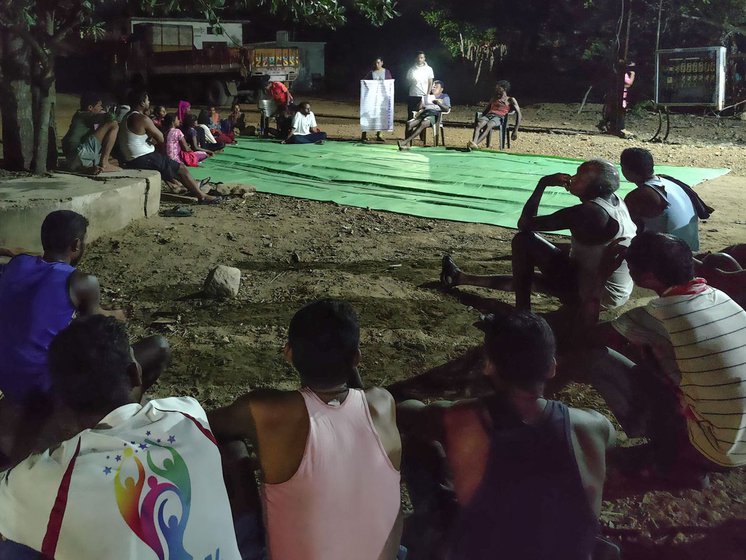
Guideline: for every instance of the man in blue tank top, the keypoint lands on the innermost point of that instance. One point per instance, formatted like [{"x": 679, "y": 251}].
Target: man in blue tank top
[
  {"x": 658, "y": 204},
  {"x": 527, "y": 472},
  {"x": 39, "y": 296}
]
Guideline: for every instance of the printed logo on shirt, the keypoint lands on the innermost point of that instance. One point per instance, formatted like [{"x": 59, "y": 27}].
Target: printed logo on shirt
[{"x": 154, "y": 495}]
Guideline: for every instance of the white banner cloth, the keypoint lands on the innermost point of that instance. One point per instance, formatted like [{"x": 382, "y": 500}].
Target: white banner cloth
[{"x": 377, "y": 105}]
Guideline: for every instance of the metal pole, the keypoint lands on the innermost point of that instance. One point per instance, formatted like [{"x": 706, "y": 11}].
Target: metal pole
[
  {"x": 626, "y": 41},
  {"x": 658, "y": 33}
]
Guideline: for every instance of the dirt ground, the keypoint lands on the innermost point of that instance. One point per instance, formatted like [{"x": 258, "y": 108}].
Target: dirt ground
[{"x": 293, "y": 251}]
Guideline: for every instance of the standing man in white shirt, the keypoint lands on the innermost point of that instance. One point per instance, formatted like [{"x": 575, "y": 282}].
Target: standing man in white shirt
[
  {"x": 304, "y": 129},
  {"x": 420, "y": 79}
]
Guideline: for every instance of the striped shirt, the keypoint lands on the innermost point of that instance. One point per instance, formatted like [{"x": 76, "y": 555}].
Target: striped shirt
[{"x": 699, "y": 340}]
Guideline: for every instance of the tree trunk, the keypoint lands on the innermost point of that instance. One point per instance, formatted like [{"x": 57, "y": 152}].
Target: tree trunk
[
  {"x": 16, "y": 103},
  {"x": 46, "y": 93},
  {"x": 42, "y": 129},
  {"x": 52, "y": 152}
]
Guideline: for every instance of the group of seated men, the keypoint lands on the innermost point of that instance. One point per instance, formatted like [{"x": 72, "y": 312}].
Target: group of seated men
[
  {"x": 96, "y": 471},
  {"x": 673, "y": 370},
  {"x": 94, "y": 133}
]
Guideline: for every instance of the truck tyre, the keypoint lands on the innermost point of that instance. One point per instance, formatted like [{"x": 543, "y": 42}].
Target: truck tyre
[{"x": 216, "y": 93}]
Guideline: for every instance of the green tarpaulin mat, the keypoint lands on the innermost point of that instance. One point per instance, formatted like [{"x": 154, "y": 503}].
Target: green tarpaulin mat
[{"x": 481, "y": 186}]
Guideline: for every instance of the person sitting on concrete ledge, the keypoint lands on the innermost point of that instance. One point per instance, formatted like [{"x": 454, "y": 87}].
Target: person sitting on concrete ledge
[
  {"x": 430, "y": 107},
  {"x": 137, "y": 136},
  {"x": 497, "y": 108},
  {"x": 129, "y": 480},
  {"x": 88, "y": 143},
  {"x": 39, "y": 296},
  {"x": 568, "y": 273},
  {"x": 304, "y": 129},
  {"x": 522, "y": 476}
]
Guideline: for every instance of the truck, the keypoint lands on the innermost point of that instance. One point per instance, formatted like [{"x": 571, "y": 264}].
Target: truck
[{"x": 198, "y": 60}]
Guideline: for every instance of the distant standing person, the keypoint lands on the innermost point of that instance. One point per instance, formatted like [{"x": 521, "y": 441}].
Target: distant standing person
[
  {"x": 281, "y": 95},
  {"x": 629, "y": 80},
  {"x": 420, "y": 78},
  {"x": 615, "y": 107},
  {"x": 378, "y": 72}
]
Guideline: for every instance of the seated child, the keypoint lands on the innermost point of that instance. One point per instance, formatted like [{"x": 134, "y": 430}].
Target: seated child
[
  {"x": 189, "y": 127},
  {"x": 158, "y": 113},
  {"x": 210, "y": 135},
  {"x": 176, "y": 145},
  {"x": 235, "y": 122},
  {"x": 217, "y": 132}
]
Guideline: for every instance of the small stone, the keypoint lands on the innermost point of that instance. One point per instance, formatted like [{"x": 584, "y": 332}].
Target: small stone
[
  {"x": 231, "y": 236},
  {"x": 222, "y": 282}
]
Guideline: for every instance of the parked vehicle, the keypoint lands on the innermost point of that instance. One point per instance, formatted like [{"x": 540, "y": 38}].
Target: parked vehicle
[{"x": 204, "y": 62}]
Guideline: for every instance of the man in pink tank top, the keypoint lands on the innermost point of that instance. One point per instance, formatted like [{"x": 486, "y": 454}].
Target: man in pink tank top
[{"x": 329, "y": 454}]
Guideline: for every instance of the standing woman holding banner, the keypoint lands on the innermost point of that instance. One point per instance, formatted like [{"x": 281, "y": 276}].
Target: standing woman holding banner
[{"x": 378, "y": 72}]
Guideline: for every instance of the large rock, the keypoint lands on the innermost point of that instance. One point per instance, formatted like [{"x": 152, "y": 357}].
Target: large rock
[{"x": 222, "y": 282}]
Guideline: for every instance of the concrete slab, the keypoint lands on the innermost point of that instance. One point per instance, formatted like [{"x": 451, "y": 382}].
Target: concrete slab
[{"x": 110, "y": 202}]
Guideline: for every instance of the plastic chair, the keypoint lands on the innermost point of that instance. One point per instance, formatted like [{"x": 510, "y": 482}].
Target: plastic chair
[
  {"x": 504, "y": 129},
  {"x": 437, "y": 128}
]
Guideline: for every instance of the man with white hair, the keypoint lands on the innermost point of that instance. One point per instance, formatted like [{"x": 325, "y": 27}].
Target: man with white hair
[{"x": 568, "y": 272}]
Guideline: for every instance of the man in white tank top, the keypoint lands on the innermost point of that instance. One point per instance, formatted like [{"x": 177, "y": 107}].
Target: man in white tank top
[
  {"x": 137, "y": 137},
  {"x": 329, "y": 454},
  {"x": 568, "y": 272}
]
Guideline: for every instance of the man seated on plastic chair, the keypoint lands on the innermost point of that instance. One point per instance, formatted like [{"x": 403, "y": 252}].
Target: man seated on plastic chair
[
  {"x": 494, "y": 116},
  {"x": 431, "y": 107}
]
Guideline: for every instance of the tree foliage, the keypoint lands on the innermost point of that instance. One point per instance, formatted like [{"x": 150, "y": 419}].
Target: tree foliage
[
  {"x": 324, "y": 13},
  {"x": 477, "y": 44},
  {"x": 579, "y": 37},
  {"x": 43, "y": 26},
  {"x": 328, "y": 13}
]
